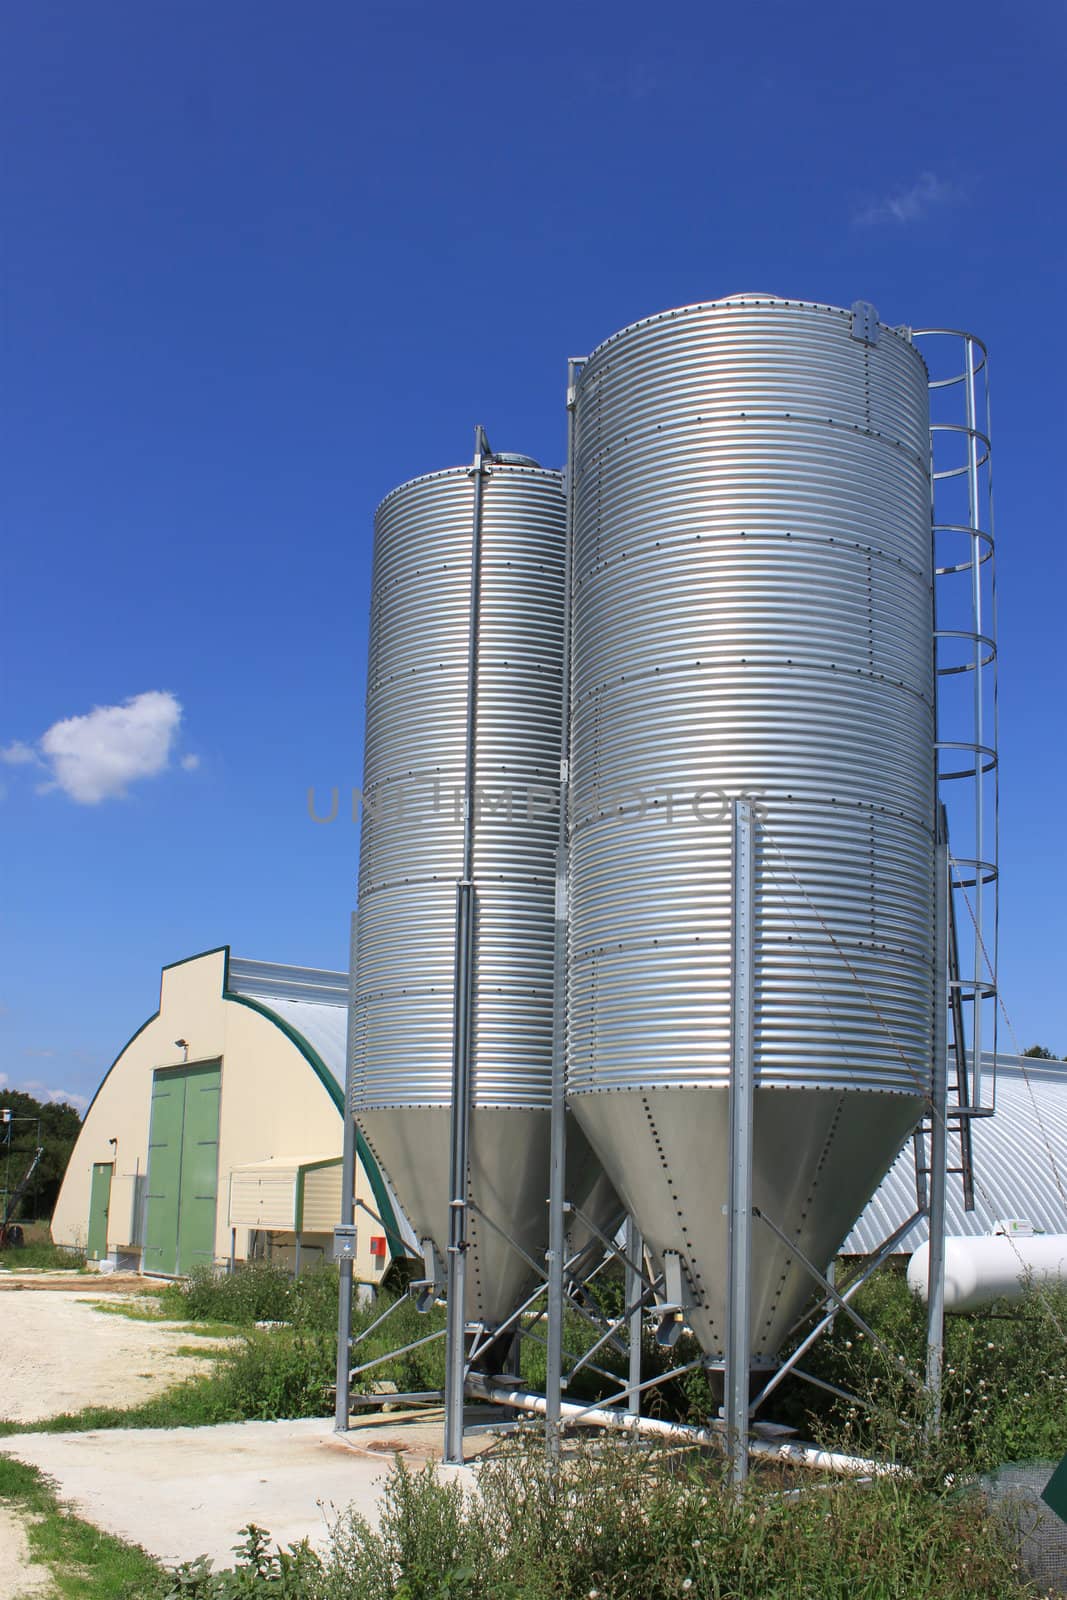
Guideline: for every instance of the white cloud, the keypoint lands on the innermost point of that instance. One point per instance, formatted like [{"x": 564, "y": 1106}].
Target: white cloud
[
  {"x": 79, "y": 1101},
  {"x": 41, "y": 1092},
  {"x": 18, "y": 754},
  {"x": 190, "y": 763},
  {"x": 910, "y": 204},
  {"x": 96, "y": 757}
]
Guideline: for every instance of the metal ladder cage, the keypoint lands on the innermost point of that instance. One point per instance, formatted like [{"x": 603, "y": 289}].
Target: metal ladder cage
[{"x": 965, "y": 654}]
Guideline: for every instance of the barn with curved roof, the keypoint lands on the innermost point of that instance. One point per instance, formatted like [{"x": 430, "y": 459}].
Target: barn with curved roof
[{"x": 216, "y": 1133}]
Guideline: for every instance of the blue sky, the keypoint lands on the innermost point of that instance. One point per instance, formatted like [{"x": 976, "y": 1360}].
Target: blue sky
[{"x": 262, "y": 262}]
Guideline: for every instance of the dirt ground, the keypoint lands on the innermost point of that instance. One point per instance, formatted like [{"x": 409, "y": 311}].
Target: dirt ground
[
  {"x": 178, "y": 1492},
  {"x": 20, "y": 1577},
  {"x": 61, "y": 1354}
]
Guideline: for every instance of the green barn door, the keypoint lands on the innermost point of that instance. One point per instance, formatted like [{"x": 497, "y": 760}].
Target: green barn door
[
  {"x": 99, "y": 1202},
  {"x": 183, "y": 1146},
  {"x": 200, "y": 1168}
]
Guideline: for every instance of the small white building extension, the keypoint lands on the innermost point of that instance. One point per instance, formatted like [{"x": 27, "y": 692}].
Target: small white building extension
[{"x": 216, "y": 1133}]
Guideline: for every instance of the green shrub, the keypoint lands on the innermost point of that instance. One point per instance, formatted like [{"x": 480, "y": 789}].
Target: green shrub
[
  {"x": 284, "y": 1574},
  {"x": 256, "y": 1292}
]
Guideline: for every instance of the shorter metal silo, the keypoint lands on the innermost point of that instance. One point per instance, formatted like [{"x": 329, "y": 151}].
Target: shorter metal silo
[{"x": 453, "y": 995}]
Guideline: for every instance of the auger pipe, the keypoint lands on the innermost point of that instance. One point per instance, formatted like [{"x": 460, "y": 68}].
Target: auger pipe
[{"x": 792, "y": 1455}]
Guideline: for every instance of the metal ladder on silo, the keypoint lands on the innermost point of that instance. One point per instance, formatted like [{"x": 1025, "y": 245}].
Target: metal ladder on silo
[
  {"x": 959, "y": 1113},
  {"x": 968, "y": 761}
]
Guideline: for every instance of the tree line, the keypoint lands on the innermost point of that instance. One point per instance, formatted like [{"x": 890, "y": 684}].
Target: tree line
[{"x": 60, "y": 1125}]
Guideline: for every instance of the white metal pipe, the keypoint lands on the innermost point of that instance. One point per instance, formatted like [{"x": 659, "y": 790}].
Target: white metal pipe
[{"x": 796, "y": 1455}]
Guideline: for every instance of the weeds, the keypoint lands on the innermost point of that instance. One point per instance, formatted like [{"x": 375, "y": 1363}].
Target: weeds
[
  {"x": 1004, "y": 1385},
  {"x": 621, "y": 1523}
]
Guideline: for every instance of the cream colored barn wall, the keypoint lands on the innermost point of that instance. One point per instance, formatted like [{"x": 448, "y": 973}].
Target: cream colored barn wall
[
  {"x": 191, "y": 1008},
  {"x": 272, "y": 1103}
]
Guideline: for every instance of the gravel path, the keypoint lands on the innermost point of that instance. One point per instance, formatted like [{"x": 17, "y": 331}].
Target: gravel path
[
  {"x": 20, "y": 1577},
  {"x": 60, "y": 1354}
]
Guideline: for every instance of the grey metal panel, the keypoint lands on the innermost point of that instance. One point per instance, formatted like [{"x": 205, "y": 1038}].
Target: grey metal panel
[
  {"x": 752, "y": 614},
  {"x": 1020, "y": 1164},
  {"x": 415, "y": 743}
]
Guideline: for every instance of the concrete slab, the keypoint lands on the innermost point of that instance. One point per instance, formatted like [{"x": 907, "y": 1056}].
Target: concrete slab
[{"x": 185, "y": 1492}]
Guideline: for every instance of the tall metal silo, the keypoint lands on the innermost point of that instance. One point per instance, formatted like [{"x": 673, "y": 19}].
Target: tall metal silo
[
  {"x": 460, "y": 788},
  {"x": 751, "y": 616}
]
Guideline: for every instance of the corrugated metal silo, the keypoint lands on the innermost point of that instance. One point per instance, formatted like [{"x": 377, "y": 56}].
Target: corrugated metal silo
[
  {"x": 422, "y": 683},
  {"x": 752, "y": 615}
]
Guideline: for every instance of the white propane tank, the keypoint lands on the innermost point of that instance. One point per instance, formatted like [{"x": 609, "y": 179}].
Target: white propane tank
[{"x": 978, "y": 1271}]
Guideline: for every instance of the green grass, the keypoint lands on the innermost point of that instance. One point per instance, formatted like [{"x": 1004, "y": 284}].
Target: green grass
[
  {"x": 85, "y": 1564},
  {"x": 41, "y": 1255},
  {"x": 153, "y": 1312}
]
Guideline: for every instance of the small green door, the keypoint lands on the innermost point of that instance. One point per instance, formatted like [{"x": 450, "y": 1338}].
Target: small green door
[
  {"x": 183, "y": 1150},
  {"x": 99, "y": 1202}
]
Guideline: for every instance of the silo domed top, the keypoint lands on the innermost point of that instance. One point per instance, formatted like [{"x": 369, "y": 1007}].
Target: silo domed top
[
  {"x": 497, "y": 458},
  {"x": 724, "y": 304}
]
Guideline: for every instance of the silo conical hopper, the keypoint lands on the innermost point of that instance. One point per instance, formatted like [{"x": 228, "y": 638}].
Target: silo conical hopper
[
  {"x": 422, "y": 702},
  {"x": 752, "y": 615}
]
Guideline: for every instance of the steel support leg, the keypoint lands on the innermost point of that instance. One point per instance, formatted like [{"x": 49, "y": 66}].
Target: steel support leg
[
  {"x": 348, "y": 1215},
  {"x": 462, "y": 1035},
  {"x": 456, "y": 1318},
  {"x": 558, "y": 1136},
  {"x": 935, "y": 1314},
  {"x": 742, "y": 1099}
]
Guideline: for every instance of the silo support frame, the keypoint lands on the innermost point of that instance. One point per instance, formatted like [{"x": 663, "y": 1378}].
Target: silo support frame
[
  {"x": 635, "y": 1253},
  {"x": 882, "y": 1254},
  {"x": 838, "y": 1300}
]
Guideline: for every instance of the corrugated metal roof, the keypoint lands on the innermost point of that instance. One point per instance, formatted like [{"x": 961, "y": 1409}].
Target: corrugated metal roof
[
  {"x": 270, "y": 980},
  {"x": 1020, "y": 1164},
  {"x": 310, "y": 999}
]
